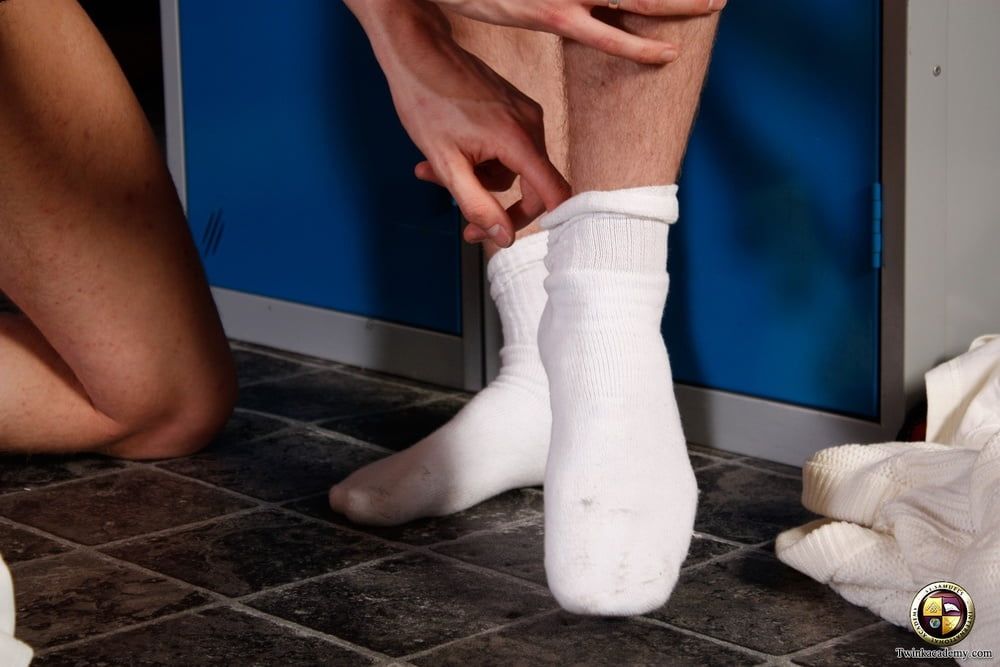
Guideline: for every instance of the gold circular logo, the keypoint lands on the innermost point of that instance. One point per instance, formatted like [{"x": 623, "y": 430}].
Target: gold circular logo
[{"x": 942, "y": 613}]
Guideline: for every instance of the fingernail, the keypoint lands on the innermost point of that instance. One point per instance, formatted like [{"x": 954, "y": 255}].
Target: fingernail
[
  {"x": 716, "y": 5},
  {"x": 499, "y": 235},
  {"x": 476, "y": 234},
  {"x": 668, "y": 55}
]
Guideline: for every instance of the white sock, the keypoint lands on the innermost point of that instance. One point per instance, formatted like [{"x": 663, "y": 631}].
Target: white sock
[
  {"x": 497, "y": 442},
  {"x": 620, "y": 494}
]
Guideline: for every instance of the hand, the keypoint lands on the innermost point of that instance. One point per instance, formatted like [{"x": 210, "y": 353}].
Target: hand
[
  {"x": 476, "y": 130},
  {"x": 572, "y": 19}
]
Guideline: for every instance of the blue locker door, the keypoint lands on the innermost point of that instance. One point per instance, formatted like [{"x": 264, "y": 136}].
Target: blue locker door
[
  {"x": 773, "y": 289},
  {"x": 299, "y": 177}
]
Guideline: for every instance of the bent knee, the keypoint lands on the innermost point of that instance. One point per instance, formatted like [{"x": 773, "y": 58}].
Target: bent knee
[{"x": 183, "y": 424}]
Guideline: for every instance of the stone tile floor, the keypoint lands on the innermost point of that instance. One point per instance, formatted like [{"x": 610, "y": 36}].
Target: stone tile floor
[{"x": 232, "y": 557}]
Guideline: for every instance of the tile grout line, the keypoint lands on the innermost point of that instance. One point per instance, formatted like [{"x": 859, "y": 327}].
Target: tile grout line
[
  {"x": 726, "y": 540},
  {"x": 329, "y": 434},
  {"x": 714, "y": 640},
  {"x": 482, "y": 633},
  {"x": 481, "y": 569},
  {"x": 260, "y": 505},
  {"x": 282, "y": 506},
  {"x": 401, "y": 383},
  {"x": 709, "y": 466},
  {"x": 742, "y": 463},
  {"x": 128, "y": 628},
  {"x": 833, "y": 640},
  {"x": 281, "y": 588},
  {"x": 402, "y": 547},
  {"x": 421, "y": 403},
  {"x": 715, "y": 560},
  {"x": 288, "y": 421},
  {"x": 316, "y": 634},
  {"x": 513, "y": 524},
  {"x": 219, "y": 599},
  {"x": 280, "y": 377},
  {"x": 128, "y": 465},
  {"x": 173, "y": 530}
]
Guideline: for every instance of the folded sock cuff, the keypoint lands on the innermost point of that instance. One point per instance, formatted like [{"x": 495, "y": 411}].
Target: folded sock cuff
[
  {"x": 525, "y": 252},
  {"x": 657, "y": 203}
]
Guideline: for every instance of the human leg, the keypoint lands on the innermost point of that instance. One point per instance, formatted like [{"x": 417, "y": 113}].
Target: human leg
[
  {"x": 498, "y": 441},
  {"x": 620, "y": 494},
  {"x": 533, "y": 63},
  {"x": 120, "y": 349}
]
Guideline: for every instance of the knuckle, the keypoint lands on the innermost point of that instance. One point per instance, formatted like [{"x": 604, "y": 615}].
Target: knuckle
[
  {"x": 553, "y": 16},
  {"x": 477, "y": 214},
  {"x": 608, "y": 44},
  {"x": 531, "y": 114}
]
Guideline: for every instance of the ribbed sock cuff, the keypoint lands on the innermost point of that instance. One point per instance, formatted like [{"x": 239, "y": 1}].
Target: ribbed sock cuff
[
  {"x": 508, "y": 262},
  {"x": 657, "y": 203},
  {"x": 622, "y": 231}
]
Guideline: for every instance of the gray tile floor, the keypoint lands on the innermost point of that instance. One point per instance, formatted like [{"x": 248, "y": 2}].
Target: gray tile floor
[{"x": 232, "y": 557}]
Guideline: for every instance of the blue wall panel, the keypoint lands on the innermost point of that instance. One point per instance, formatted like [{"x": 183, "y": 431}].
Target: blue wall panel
[
  {"x": 300, "y": 187},
  {"x": 300, "y": 183},
  {"x": 773, "y": 293}
]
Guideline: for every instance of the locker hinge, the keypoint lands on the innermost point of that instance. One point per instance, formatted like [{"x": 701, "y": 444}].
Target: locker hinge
[{"x": 877, "y": 226}]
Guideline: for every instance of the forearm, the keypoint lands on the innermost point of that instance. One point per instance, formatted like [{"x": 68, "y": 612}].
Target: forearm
[{"x": 395, "y": 29}]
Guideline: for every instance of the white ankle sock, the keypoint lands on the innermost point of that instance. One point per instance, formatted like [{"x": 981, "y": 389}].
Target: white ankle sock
[
  {"x": 620, "y": 494},
  {"x": 499, "y": 441}
]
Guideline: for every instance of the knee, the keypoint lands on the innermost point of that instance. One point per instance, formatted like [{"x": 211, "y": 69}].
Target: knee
[{"x": 183, "y": 422}]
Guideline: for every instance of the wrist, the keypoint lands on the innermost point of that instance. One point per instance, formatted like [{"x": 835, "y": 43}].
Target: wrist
[
  {"x": 368, "y": 10},
  {"x": 383, "y": 17},
  {"x": 399, "y": 29}
]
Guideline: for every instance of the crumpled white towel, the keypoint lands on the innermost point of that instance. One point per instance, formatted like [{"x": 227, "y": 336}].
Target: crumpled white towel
[
  {"x": 12, "y": 652},
  {"x": 902, "y": 514}
]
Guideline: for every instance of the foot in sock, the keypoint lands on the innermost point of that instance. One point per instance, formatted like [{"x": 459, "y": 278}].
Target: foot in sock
[
  {"x": 620, "y": 494},
  {"x": 498, "y": 442}
]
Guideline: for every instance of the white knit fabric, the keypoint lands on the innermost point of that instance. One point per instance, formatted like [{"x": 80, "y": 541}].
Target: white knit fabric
[
  {"x": 620, "y": 494},
  {"x": 12, "y": 652},
  {"x": 499, "y": 441},
  {"x": 903, "y": 515}
]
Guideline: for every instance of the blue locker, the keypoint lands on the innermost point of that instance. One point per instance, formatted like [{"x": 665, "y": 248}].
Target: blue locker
[
  {"x": 773, "y": 290},
  {"x": 300, "y": 179},
  {"x": 300, "y": 188}
]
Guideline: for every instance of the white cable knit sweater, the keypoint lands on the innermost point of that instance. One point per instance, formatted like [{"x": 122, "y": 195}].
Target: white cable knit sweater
[{"x": 904, "y": 514}]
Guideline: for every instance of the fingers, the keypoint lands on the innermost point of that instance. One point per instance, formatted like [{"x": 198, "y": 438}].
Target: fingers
[
  {"x": 542, "y": 188},
  {"x": 527, "y": 209},
  {"x": 667, "y": 7},
  {"x": 614, "y": 41},
  {"x": 528, "y": 158},
  {"x": 521, "y": 214},
  {"x": 425, "y": 172},
  {"x": 494, "y": 176},
  {"x": 478, "y": 206},
  {"x": 597, "y": 34}
]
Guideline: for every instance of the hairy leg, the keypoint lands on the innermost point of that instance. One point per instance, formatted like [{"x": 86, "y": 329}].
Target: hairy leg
[
  {"x": 120, "y": 349},
  {"x": 630, "y": 123},
  {"x": 620, "y": 494},
  {"x": 533, "y": 62},
  {"x": 500, "y": 440}
]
